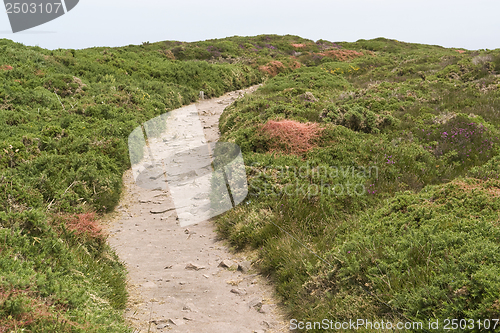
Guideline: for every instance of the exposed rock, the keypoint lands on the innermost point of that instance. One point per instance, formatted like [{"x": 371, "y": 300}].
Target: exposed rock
[
  {"x": 165, "y": 322},
  {"x": 194, "y": 267},
  {"x": 224, "y": 264},
  {"x": 244, "y": 266},
  {"x": 149, "y": 284},
  {"x": 171, "y": 322},
  {"x": 308, "y": 96},
  {"x": 239, "y": 292},
  {"x": 227, "y": 264},
  {"x": 256, "y": 303},
  {"x": 269, "y": 324}
]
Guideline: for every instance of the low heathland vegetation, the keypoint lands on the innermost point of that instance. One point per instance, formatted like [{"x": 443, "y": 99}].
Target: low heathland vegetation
[
  {"x": 66, "y": 116},
  {"x": 372, "y": 168},
  {"x": 374, "y": 189}
]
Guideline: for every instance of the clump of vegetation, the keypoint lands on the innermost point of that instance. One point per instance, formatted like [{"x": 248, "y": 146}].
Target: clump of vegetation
[
  {"x": 55, "y": 279},
  {"x": 358, "y": 118},
  {"x": 431, "y": 254}
]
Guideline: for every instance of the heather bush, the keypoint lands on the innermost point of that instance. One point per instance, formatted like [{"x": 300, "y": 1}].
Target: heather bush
[{"x": 358, "y": 118}]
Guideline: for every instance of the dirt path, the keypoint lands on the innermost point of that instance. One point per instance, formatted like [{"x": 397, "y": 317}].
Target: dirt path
[{"x": 178, "y": 279}]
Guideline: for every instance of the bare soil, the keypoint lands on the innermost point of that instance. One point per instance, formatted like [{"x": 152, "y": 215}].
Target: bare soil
[{"x": 186, "y": 279}]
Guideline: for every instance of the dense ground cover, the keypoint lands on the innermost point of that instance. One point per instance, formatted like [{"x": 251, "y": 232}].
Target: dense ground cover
[
  {"x": 65, "y": 119},
  {"x": 374, "y": 183}
]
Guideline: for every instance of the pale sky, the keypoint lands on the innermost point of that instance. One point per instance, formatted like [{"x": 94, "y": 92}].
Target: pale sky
[{"x": 458, "y": 23}]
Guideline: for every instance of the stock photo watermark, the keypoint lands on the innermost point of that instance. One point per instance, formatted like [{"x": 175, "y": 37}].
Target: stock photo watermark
[
  {"x": 170, "y": 153},
  {"x": 331, "y": 180},
  {"x": 28, "y": 14},
  {"x": 447, "y": 324}
]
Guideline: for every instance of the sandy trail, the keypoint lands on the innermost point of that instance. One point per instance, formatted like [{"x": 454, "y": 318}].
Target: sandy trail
[{"x": 176, "y": 280}]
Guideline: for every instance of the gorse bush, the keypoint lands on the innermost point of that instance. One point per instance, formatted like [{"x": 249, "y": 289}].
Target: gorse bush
[
  {"x": 429, "y": 255},
  {"x": 357, "y": 118},
  {"x": 306, "y": 78},
  {"x": 54, "y": 280}
]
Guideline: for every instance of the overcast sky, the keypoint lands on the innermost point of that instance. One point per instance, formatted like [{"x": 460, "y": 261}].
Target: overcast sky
[{"x": 458, "y": 23}]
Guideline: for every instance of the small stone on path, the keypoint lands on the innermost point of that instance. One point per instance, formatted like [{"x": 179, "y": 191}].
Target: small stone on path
[
  {"x": 244, "y": 266},
  {"x": 194, "y": 267},
  {"x": 239, "y": 292}
]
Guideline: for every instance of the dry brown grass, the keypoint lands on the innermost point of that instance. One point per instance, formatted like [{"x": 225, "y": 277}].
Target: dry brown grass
[
  {"x": 85, "y": 224},
  {"x": 342, "y": 55},
  {"x": 292, "y": 137}
]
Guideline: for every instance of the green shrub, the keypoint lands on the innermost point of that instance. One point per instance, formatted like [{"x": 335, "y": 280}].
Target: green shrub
[{"x": 358, "y": 118}]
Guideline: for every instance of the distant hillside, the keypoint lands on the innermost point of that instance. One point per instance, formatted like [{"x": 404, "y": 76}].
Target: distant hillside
[
  {"x": 373, "y": 172},
  {"x": 408, "y": 132}
]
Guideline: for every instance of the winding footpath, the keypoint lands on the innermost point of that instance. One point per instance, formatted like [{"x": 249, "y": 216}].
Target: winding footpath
[{"x": 185, "y": 279}]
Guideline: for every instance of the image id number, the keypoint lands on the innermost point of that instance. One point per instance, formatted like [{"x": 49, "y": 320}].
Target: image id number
[{"x": 24, "y": 7}]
